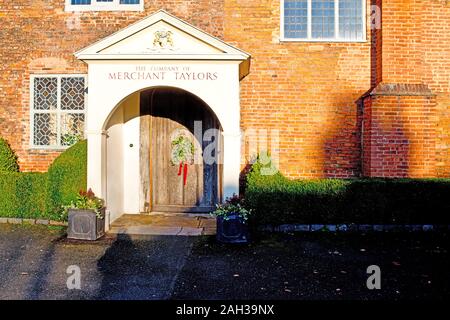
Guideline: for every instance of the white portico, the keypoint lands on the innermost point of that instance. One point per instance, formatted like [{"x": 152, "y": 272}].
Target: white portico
[{"x": 171, "y": 62}]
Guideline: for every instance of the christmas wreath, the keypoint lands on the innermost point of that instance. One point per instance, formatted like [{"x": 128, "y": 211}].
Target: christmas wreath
[{"x": 182, "y": 154}]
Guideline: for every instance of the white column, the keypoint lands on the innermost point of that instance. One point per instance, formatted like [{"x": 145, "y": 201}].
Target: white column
[
  {"x": 231, "y": 163},
  {"x": 96, "y": 169}
]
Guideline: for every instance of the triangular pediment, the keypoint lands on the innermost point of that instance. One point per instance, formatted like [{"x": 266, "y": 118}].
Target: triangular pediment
[{"x": 161, "y": 36}]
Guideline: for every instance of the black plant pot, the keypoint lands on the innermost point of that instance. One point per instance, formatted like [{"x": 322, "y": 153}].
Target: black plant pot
[
  {"x": 232, "y": 230},
  {"x": 85, "y": 225}
]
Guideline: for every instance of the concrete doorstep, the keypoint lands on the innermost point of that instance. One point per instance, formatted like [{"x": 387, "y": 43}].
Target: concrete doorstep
[
  {"x": 164, "y": 224},
  {"x": 157, "y": 230}
]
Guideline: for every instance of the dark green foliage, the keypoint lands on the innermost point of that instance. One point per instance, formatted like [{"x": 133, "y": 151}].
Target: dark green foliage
[
  {"x": 8, "y": 159},
  {"x": 278, "y": 200},
  {"x": 41, "y": 195},
  {"x": 66, "y": 177},
  {"x": 23, "y": 195}
]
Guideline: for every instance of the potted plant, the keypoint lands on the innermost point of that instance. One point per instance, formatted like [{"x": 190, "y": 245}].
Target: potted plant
[
  {"x": 232, "y": 221},
  {"x": 86, "y": 217}
]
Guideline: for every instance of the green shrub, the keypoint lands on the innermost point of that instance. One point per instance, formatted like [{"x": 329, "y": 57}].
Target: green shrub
[
  {"x": 278, "y": 200},
  {"x": 23, "y": 195},
  {"x": 66, "y": 176},
  {"x": 41, "y": 195},
  {"x": 8, "y": 159},
  {"x": 398, "y": 201}
]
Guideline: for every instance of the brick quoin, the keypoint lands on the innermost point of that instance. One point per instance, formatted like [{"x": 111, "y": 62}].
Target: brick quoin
[{"x": 342, "y": 109}]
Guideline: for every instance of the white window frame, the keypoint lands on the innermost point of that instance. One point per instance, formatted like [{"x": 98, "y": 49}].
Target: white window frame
[
  {"x": 58, "y": 110},
  {"x": 104, "y": 6},
  {"x": 336, "y": 25}
]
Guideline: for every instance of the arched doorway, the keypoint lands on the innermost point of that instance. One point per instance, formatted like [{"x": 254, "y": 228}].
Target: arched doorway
[
  {"x": 183, "y": 150},
  {"x": 144, "y": 169}
]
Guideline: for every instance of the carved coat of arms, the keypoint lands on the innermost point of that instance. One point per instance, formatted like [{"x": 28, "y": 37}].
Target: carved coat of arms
[{"x": 163, "y": 39}]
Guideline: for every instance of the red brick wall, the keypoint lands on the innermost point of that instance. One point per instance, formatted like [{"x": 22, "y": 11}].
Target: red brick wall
[
  {"x": 414, "y": 51},
  {"x": 367, "y": 134},
  {"x": 376, "y": 43},
  {"x": 306, "y": 90},
  {"x": 443, "y": 135},
  {"x": 400, "y": 133},
  {"x": 402, "y": 41},
  {"x": 39, "y": 37},
  {"x": 436, "y": 47}
]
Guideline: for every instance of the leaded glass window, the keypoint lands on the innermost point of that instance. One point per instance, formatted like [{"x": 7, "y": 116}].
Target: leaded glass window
[
  {"x": 323, "y": 20},
  {"x": 57, "y": 110},
  {"x": 104, "y": 5}
]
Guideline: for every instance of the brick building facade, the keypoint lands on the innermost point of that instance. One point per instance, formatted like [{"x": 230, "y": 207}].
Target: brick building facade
[{"x": 375, "y": 107}]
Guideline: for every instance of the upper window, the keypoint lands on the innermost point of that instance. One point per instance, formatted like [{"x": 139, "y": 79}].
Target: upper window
[
  {"x": 323, "y": 20},
  {"x": 104, "y": 5},
  {"x": 57, "y": 110}
]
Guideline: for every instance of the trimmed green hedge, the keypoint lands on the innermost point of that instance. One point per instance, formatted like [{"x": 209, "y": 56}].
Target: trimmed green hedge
[
  {"x": 8, "y": 159},
  {"x": 41, "y": 195},
  {"x": 23, "y": 195},
  {"x": 66, "y": 177},
  {"x": 278, "y": 200}
]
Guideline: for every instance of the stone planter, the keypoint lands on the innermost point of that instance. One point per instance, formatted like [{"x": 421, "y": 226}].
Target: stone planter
[
  {"x": 85, "y": 225},
  {"x": 232, "y": 230}
]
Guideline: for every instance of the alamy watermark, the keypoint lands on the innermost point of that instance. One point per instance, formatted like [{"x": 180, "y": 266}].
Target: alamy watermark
[
  {"x": 374, "y": 280},
  {"x": 74, "y": 280},
  {"x": 200, "y": 146}
]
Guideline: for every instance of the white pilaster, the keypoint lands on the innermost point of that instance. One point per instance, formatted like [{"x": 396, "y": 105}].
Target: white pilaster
[
  {"x": 96, "y": 169},
  {"x": 231, "y": 163}
]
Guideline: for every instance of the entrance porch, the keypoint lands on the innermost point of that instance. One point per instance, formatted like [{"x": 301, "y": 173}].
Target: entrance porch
[{"x": 149, "y": 86}]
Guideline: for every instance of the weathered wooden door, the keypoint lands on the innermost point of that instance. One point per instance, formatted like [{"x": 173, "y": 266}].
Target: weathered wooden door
[{"x": 174, "y": 112}]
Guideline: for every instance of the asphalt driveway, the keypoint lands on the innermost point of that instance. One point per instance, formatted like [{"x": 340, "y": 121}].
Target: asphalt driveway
[{"x": 34, "y": 262}]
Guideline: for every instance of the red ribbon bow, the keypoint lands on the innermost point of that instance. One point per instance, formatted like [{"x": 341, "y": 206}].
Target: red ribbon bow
[{"x": 185, "y": 172}]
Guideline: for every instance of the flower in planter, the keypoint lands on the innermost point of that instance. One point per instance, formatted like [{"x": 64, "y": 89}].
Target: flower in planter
[
  {"x": 233, "y": 206},
  {"x": 86, "y": 200},
  {"x": 232, "y": 217}
]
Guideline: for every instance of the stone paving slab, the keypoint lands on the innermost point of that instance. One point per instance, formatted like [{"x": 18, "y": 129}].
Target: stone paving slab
[
  {"x": 157, "y": 220},
  {"x": 190, "y": 232},
  {"x": 147, "y": 230},
  {"x": 209, "y": 231},
  {"x": 164, "y": 224},
  {"x": 207, "y": 223}
]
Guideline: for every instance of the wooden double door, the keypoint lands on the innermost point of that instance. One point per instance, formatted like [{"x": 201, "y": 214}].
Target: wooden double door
[{"x": 190, "y": 186}]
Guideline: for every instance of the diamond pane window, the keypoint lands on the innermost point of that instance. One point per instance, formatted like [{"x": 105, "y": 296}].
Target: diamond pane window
[
  {"x": 57, "y": 110},
  {"x": 45, "y": 129},
  {"x": 45, "y": 93},
  {"x": 72, "y": 93},
  {"x": 72, "y": 128}
]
